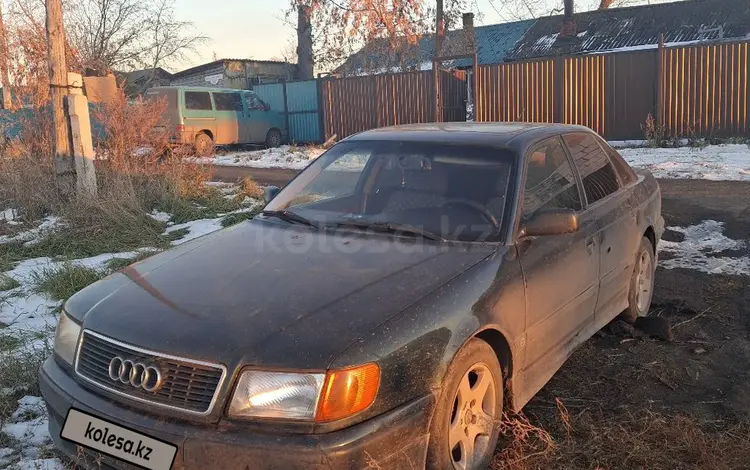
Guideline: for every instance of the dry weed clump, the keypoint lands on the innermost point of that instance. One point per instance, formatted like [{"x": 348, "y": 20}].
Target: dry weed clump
[{"x": 619, "y": 439}]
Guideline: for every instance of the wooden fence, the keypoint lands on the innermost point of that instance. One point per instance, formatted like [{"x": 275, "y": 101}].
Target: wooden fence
[
  {"x": 357, "y": 104},
  {"x": 696, "y": 90}
]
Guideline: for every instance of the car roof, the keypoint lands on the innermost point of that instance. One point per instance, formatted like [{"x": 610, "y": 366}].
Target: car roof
[{"x": 515, "y": 135}]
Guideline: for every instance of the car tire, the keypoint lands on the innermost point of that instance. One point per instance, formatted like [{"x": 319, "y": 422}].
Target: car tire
[
  {"x": 641, "y": 282},
  {"x": 462, "y": 420},
  {"x": 273, "y": 138},
  {"x": 203, "y": 145}
]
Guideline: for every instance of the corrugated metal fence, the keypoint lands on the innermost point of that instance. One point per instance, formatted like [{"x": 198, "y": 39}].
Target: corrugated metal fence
[{"x": 695, "y": 90}]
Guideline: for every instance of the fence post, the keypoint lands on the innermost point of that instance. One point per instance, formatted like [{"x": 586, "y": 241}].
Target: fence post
[
  {"x": 321, "y": 110},
  {"x": 436, "y": 90},
  {"x": 286, "y": 112},
  {"x": 659, "y": 108},
  {"x": 559, "y": 88},
  {"x": 475, "y": 85}
]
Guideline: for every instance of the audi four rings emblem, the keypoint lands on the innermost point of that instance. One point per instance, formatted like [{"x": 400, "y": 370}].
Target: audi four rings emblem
[{"x": 136, "y": 374}]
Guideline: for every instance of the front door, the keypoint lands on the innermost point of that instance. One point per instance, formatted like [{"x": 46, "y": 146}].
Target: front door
[
  {"x": 615, "y": 210},
  {"x": 561, "y": 271},
  {"x": 254, "y": 126}
]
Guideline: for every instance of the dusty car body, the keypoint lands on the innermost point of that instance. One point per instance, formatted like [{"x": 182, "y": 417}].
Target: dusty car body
[{"x": 445, "y": 271}]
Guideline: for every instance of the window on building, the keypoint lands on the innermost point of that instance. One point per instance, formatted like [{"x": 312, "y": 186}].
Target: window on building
[
  {"x": 550, "y": 183},
  {"x": 598, "y": 174},
  {"x": 198, "y": 100},
  {"x": 228, "y": 101}
]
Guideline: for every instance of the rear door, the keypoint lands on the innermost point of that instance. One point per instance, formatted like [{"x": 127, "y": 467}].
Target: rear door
[
  {"x": 561, "y": 271},
  {"x": 198, "y": 113},
  {"x": 612, "y": 203},
  {"x": 229, "y": 114}
]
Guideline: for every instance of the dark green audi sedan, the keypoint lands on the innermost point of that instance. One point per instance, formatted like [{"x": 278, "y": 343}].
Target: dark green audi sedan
[{"x": 387, "y": 306}]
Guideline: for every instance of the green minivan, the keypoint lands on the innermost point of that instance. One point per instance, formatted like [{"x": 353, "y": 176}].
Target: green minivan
[{"x": 206, "y": 117}]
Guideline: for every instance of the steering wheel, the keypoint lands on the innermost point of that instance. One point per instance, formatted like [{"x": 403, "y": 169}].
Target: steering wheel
[{"x": 477, "y": 207}]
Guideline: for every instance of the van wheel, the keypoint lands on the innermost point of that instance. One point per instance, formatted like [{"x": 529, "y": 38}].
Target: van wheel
[
  {"x": 204, "y": 145},
  {"x": 273, "y": 138},
  {"x": 641, "y": 282},
  {"x": 466, "y": 422}
]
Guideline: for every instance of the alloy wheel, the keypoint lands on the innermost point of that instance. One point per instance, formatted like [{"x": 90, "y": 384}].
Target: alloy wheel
[
  {"x": 472, "y": 419},
  {"x": 644, "y": 283}
]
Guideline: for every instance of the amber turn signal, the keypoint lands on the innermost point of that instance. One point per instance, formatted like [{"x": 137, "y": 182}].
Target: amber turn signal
[{"x": 347, "y": 392}]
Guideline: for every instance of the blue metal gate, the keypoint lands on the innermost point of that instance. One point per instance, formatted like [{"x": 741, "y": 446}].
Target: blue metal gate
[{"x": 299, "y": 102}]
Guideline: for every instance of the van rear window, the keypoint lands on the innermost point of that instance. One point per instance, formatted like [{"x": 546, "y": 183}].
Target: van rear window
[{"x": 198, "y": 100}]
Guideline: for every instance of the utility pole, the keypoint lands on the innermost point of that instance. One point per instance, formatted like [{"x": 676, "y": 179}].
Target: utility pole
[
  {"x": 58, "y": 76},
  {"x": 4, "y": 64},
  {"x": 436, "y": 62}
]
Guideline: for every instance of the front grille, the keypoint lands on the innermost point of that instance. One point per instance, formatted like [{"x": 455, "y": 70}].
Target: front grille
[{"x": 188, "y": 385}]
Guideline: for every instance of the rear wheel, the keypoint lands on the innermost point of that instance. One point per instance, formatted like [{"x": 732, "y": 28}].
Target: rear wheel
[
  {"x": 641, "y": 282},
  {"x": 466, "y": 423},
  {"x": 203, "y": 145},
  {"x": 273, "y": 138}
]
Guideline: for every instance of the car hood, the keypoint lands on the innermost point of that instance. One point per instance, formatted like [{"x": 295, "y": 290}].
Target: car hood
[{"x": 267, "y": 294}]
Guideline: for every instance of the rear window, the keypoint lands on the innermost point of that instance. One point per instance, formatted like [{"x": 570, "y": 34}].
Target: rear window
[
  {"x": 598, "y": 175},
  {"x": 228, "y": 101},
  {"x": 624, "y": 171},
  {"x": 198, "y": 100},
  {"x": 169, "y": 95}
]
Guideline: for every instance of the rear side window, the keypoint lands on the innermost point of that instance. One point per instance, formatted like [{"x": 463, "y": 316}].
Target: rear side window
[
  {"x": 228, "y": 101},
  {"x": 598, "y": 174},
  {"x": 626, "y": 173},
  {"x": 550, "y": 183},
  {"x": 198, "y": 100}
]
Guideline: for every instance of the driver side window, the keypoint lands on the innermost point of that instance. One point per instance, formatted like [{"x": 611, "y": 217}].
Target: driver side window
[{"x": 550, "y": 182}]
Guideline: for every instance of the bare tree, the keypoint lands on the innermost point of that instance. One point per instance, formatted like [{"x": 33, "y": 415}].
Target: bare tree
[
  {"x": 127, "y": 34},
  {"x": 328, "y": 31}
]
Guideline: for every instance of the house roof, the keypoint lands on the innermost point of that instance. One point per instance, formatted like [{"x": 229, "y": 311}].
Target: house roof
[
  {"x": 633, "y": 27},
  {"x": 210, "y": 65},
  {"x": 379, "y": 55},
  {"x": 136, "y": 75}
]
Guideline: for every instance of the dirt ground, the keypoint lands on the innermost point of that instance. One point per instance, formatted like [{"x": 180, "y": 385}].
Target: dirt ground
[{"x": 625, "y": 400}]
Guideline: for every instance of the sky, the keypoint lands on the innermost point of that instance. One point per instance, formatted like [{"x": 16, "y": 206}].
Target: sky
[
  {"x": 255, "y": 29},
  {"x": 258, "y": 29}
]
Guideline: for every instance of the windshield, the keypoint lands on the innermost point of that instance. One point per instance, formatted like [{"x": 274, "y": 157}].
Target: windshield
[{"x": 452, "y": 192}]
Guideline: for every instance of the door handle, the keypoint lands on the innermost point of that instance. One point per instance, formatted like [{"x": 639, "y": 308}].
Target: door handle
[{"x": 590, "y": 244}]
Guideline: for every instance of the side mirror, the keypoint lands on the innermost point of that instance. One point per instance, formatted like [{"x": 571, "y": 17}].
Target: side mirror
[
  {"x": 551, "y": 222},
  {"x": 270, "y": 193}
]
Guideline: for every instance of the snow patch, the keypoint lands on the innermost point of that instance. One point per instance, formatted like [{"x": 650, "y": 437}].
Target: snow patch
[
  {"x": 160, "y": 216},
  {"x": 42, "y": 464},
  {"x": 716, "y": 162},
  {"x": 701, "y": 242},
  {"x": 32, "y": 434},
  {"x": 286, "y": 156},
  {"x": 196, "y": 228},
  {"x": 34, "y": 235}
]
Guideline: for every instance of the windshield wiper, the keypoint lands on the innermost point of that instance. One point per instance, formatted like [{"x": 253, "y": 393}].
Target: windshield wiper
[
  {"x": 390, "y": 227},
  {"x": 289, "y": 216}
]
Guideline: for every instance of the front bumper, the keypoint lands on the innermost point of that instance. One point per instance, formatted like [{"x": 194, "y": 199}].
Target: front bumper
[{"x": 395, "y": 440}]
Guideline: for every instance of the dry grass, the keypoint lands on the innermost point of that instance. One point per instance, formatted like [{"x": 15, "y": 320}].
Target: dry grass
[
  {"x": 609, "y": 439},
  {"x": 137, "y": 173}
]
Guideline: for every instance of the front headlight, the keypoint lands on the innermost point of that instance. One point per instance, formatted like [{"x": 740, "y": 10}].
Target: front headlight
[
  {"x": 276, "y": 395},
  {"x": 66, "y": 338},
  {"x": 320, "y": 397}
]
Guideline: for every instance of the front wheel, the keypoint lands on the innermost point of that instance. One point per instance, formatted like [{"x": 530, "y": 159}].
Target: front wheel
[
  {"x": 641, "y": 282},
  {"x": 273, "y": 138},
  {"x": 466, "y": 423}
]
